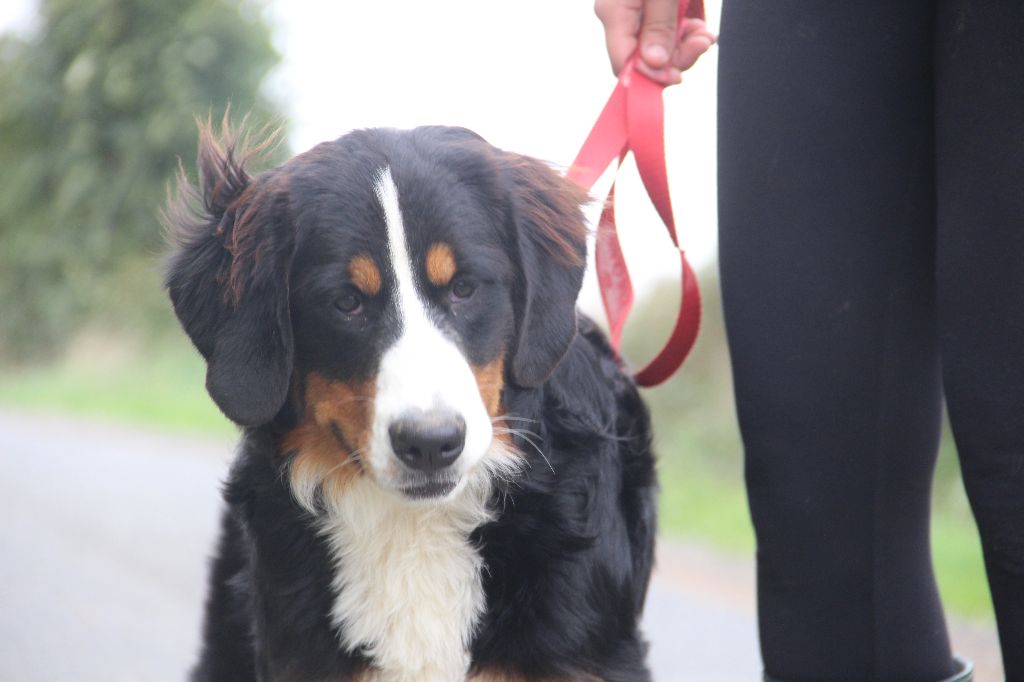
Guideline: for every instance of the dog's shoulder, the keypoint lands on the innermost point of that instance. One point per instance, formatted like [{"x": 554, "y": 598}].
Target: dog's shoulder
[
  {"x": 572, "y": 542},
  {"x": 270, "y": 596}
]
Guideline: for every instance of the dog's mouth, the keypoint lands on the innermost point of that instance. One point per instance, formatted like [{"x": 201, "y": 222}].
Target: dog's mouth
[{"x": 429, "y": 489}]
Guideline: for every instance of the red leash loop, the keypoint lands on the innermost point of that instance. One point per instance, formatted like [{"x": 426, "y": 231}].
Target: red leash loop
[{"x": 633, "y": 120}]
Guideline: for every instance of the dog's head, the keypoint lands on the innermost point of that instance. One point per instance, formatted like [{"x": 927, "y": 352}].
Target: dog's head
[{"x": 374, "y": 295}]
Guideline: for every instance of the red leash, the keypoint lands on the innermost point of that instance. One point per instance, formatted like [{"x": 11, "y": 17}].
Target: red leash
[{"x": 633, "y": 120}]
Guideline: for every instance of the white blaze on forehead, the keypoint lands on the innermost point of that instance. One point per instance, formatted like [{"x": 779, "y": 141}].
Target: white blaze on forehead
[
  {"x": 423, "y": 370},
  {"x": 405, "y": 296}
]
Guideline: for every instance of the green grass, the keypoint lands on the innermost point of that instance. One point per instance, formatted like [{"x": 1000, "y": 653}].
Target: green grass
[
  {"x": 703, "y": 507},
  {"x": 959, "y": 567},
  {"x": 163, "y": 390},
  {"x": 702, "y": 495}
]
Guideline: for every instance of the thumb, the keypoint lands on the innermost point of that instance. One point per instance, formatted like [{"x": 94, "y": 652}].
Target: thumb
[{"x": 658, "y": 32}]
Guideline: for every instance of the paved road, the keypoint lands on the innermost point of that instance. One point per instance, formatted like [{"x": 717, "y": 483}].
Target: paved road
[{"x": 102, "y": 568}]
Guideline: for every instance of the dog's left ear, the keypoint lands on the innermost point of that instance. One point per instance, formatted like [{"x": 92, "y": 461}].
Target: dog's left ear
[
  {"x": 228, "y": 279},
  {"x": 550, "y": 235}
]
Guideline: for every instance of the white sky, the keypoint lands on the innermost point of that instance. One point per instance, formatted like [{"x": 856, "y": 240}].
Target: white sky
[{"x": 528, "y": 75}]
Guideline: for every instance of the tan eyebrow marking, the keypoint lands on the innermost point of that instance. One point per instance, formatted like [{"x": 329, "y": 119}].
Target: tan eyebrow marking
[
  {"x": 365, "y": 275},
  {"x": 440, "y": 264}
]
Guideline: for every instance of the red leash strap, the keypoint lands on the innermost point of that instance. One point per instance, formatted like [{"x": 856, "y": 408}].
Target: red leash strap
[{"x": 633, "y": 120}]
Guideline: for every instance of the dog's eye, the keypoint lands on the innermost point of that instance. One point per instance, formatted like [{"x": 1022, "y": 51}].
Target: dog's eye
[
  {"x": 348, "y": 303},
  {"x": 462, "y": 288}
]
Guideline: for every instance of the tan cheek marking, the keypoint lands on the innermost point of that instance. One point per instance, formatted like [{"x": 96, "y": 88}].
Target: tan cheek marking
[
  {"x": 365, "y": 275},
  {"x": 319, "y": 456},
  {"x": 440, "y": 264},
  {"x": 490, "y": 379},
  {"x": 319, "y": 461},
  {"x": 347, "y": 405}
]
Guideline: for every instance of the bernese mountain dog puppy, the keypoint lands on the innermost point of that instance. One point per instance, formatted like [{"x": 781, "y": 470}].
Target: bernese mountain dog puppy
[{"x": 444, "y": 472}]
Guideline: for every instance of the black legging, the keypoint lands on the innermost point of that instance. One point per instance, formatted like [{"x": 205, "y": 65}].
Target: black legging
[{"x": 871, "y": 178}]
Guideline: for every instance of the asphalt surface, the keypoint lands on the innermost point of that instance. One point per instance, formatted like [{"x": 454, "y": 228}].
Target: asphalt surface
[{"x": 103, "y": 549}]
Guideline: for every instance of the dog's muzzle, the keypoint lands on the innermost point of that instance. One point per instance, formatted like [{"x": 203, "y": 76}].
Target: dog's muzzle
[{"x": 427, "y": 443}]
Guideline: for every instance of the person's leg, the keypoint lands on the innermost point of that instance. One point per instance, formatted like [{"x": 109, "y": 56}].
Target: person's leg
[
  {"x": 827, "y": 231},
  {"x": 980, "y": 197}
]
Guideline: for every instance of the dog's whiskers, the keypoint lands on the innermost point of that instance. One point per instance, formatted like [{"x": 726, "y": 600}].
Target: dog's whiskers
[
  {"x": 526, "y": 434},
  {"x": 352, "y": 458},
  {"x": 507, "y": 417}
]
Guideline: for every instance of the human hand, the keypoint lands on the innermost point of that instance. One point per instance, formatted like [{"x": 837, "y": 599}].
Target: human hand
[{"x": 652, "y": 25}]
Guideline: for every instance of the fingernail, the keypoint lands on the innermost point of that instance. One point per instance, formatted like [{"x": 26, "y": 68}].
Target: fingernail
[{"x": 655, "y": 55}]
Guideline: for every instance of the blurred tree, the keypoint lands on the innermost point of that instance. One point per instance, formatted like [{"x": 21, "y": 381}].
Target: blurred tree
[{"x": 97, "y": 105}]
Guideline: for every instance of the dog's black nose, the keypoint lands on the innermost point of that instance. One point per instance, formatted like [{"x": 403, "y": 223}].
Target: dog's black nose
[{"x": 428, "y": 441}]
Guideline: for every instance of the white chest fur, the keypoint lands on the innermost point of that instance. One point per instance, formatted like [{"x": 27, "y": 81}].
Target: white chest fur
[{"x": 407, "y": 580}]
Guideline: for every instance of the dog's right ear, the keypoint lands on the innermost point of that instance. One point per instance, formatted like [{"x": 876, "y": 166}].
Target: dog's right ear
[
  {"x": 550, "y": 235},
  {"x": 228, "y": 277}
]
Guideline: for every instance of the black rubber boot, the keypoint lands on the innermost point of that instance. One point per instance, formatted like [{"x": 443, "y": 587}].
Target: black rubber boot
[{"x": 964, "y": 672}]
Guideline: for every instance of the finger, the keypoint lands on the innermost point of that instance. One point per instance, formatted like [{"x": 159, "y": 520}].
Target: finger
[
  {"x": 621, "y": 25},
  {"x": 693, "y": 25},
  {"x": 696, "y": 39},
  {"x": 620, "y": 48},
  {"x": 658, "y": 32},
  {"x": 689, "y": 50},
  {"x": 667, "y": 75}
]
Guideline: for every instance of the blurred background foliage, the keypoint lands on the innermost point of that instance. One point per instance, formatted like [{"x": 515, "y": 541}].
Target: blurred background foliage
[
  {"x": 96, "y": 109},
  {"x": 98, "y": 104}
]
